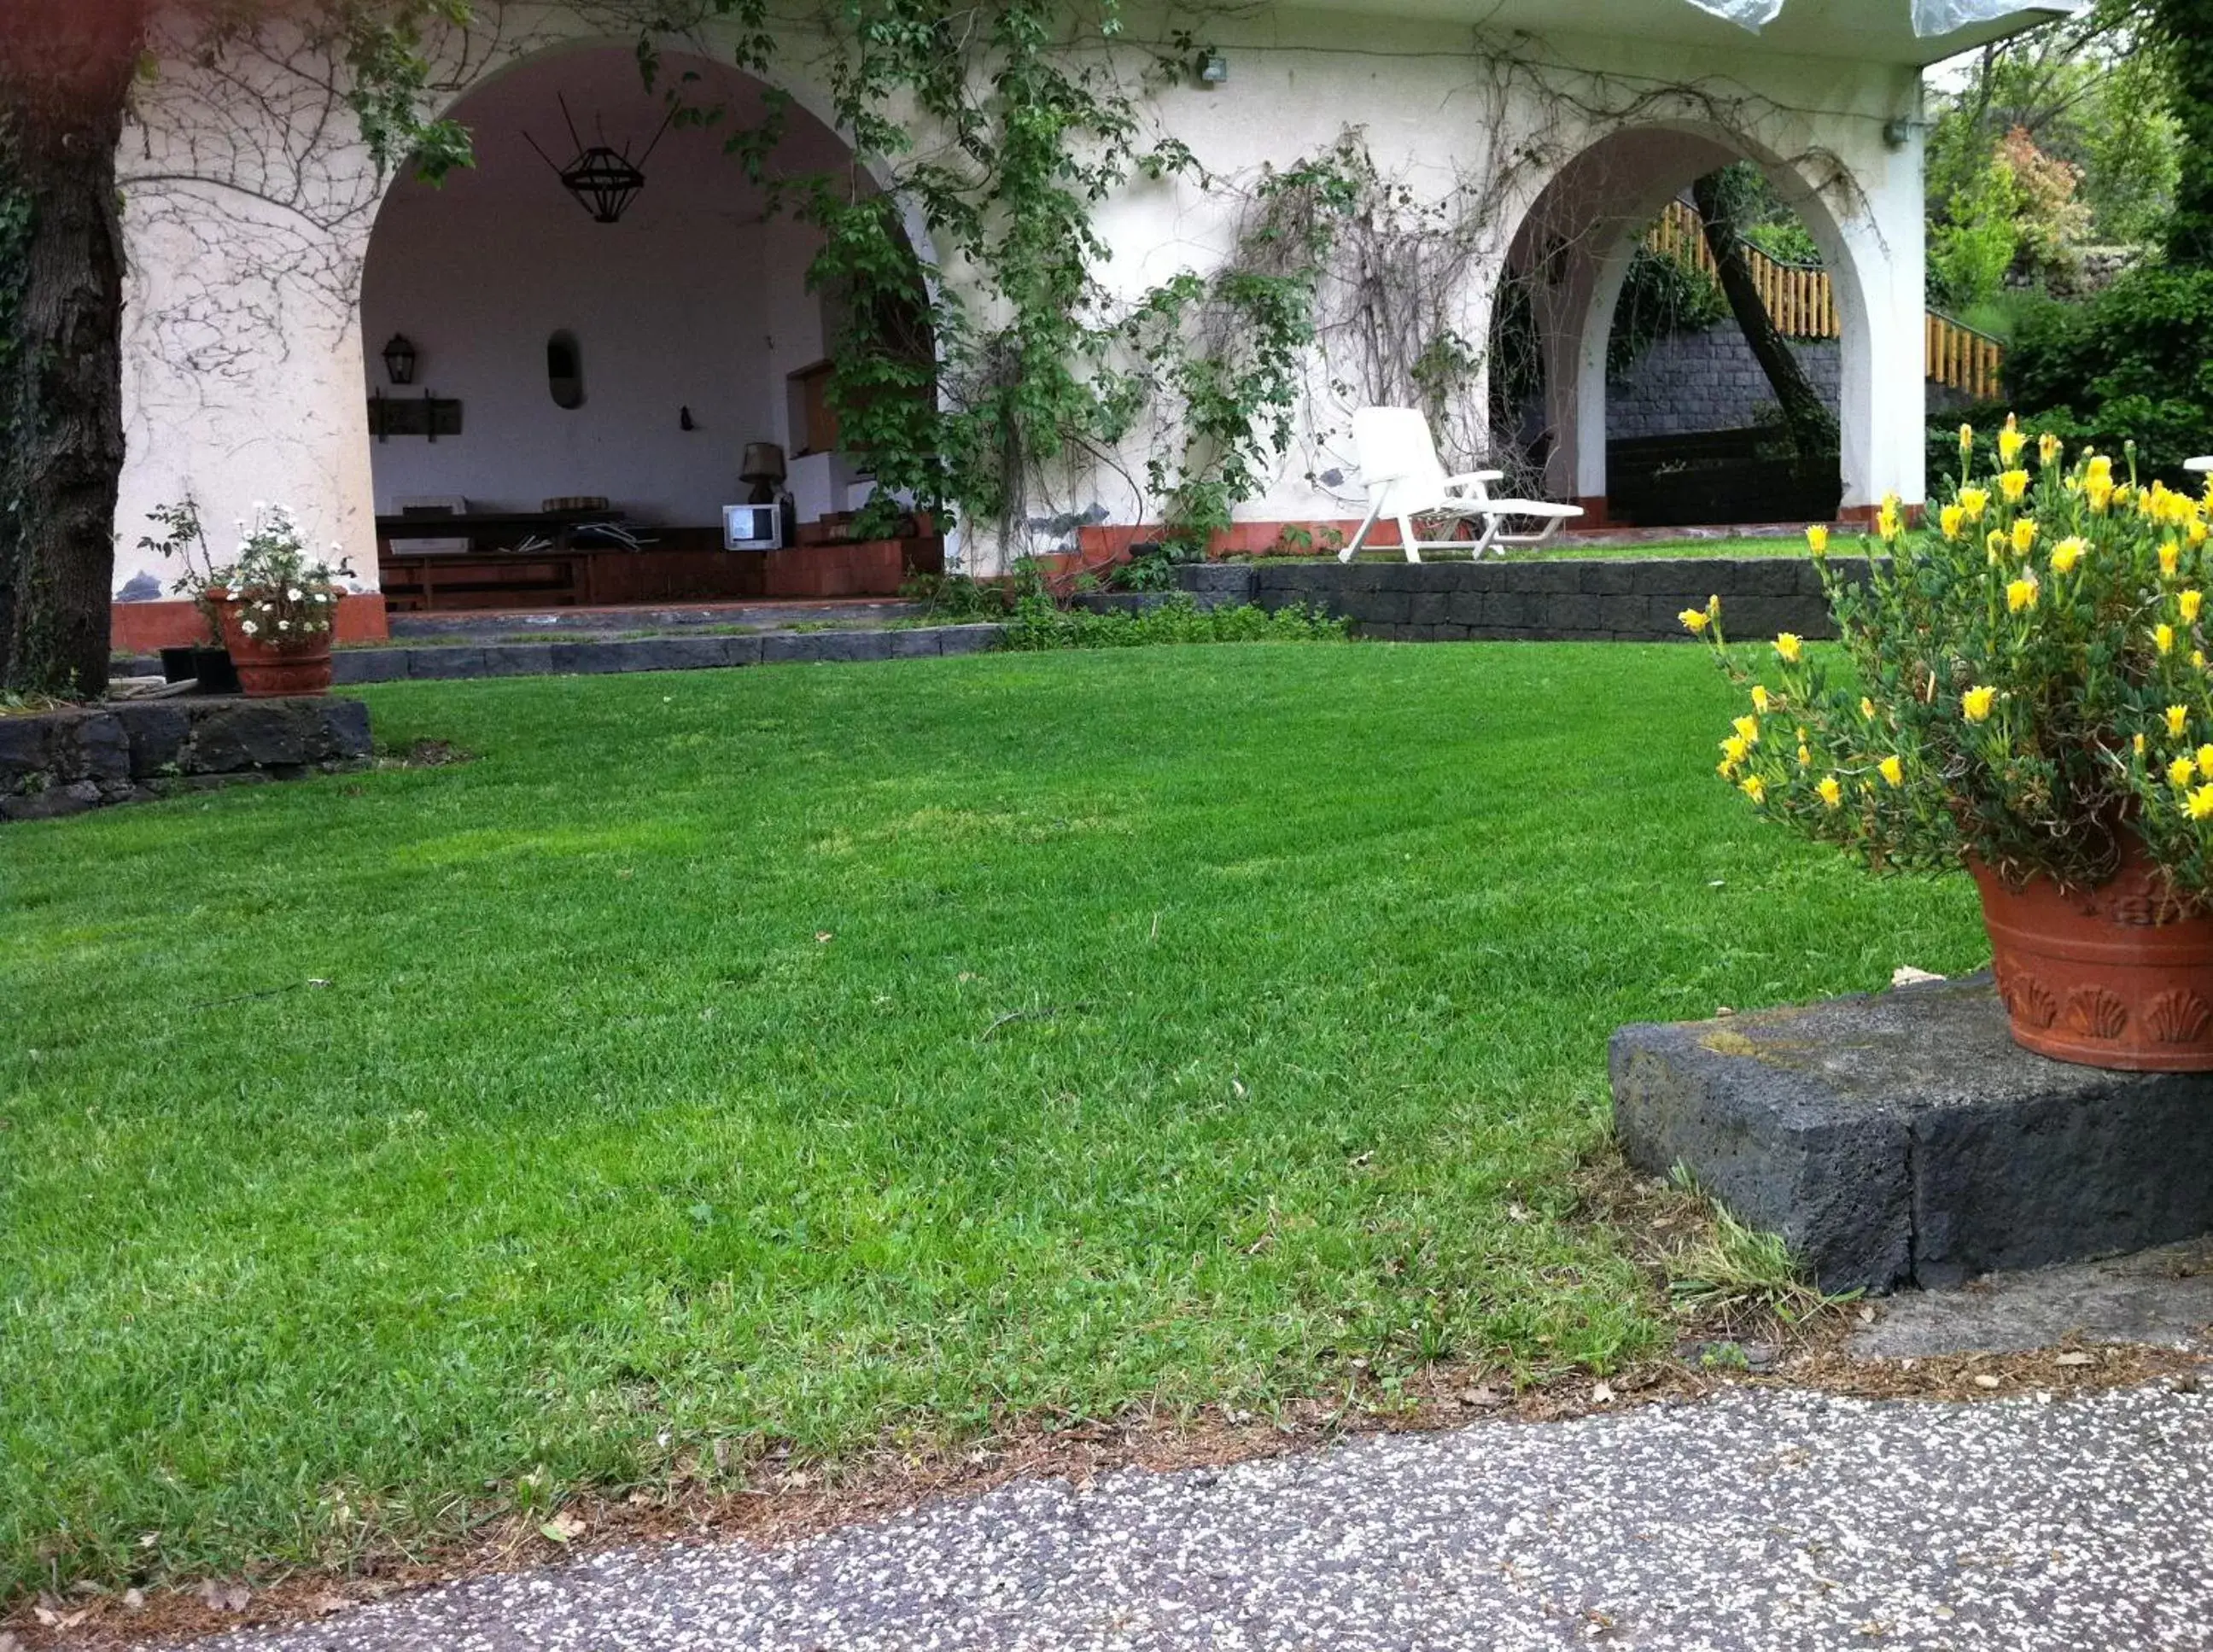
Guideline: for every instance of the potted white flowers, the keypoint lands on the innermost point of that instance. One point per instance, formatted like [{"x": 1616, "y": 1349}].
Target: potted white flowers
[{"x": 276, "y": 607}]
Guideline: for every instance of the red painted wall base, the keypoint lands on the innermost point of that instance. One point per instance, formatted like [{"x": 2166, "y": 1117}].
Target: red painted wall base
[{"x": 142, "y": 627}]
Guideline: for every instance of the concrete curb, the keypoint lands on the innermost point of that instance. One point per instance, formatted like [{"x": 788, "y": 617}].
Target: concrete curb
[{"x": 437, "y": 662}]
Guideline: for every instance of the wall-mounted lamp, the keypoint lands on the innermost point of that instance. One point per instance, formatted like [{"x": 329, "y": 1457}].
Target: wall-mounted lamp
[
  {"x": 1897, "y": 133},
  {"x": 399, "y": 359},
  {"x": 1212, "y": 69}
]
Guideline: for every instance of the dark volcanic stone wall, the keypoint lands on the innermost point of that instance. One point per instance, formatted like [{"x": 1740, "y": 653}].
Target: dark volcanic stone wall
[
  {"x": 64, "y": 762},
  {"x": 1557, "y": 601}
]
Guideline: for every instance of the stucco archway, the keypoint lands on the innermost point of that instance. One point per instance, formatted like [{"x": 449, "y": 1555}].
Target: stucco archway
[{"x": 1573, "y": 250}]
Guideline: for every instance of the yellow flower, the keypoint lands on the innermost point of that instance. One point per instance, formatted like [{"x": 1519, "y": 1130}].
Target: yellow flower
[
  {"x": 2178, "y": 719},
  {"x": 2181, "y": 772},
  {"x": 1817, "y": 537},
  {"x": 1974, "y": 502},
  {"x": 1760, "y": 698},
  {"x": 2205, "y": 758},
  {"x": 1967, "y": 438},
  {"x": 1888, "y": 521},
  {"x": 2024, "y": 535},
  {"x": 1736, "y": 749},
  {"x": 2010, "y": 443},
  {"x": 1976, "y": 703},
  {"x": 2170, "y": 559},
  {"x": 2098, "y": 467},
  {"x": 2201, "y": 802},
  {"x": 1747, "y": 729},
  {"x": 2197, "y": 658},
  {"x": 1867, "y": 708},
  {"x": 1893, "y": 770},
  {"x": 1951, "y": 518},
  {"x": 2190, "y": 602},
  {"x": 2013, "y": 485},
  {"x": 2066, "y": 554},
  {"x": 2140, "y": 744},
  {"x": 1790, "y": 646},
  {"x": 1805, "y": 757},
  {"x": 2049, "y": 448},
  {"x": 2162, "y": 637},
  {"x": 1695, "y": 620},
  {"x": 2100, "y": 495},
  {"x": 2020, "y": 594},
  {"x": 1754, "y": 788},
  {"x": 1832, "y": 793},
  {"x": 2196, "y": 530}
]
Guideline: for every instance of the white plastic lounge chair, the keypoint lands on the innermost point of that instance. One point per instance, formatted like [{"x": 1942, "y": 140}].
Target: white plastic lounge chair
[
  {"x": 1399, "y": 463},
  {"x": 2201, "y": 465}
]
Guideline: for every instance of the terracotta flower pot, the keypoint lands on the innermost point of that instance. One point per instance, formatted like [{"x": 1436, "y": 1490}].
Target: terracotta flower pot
[
  {"x": 2119, "y": 976},
  {"x": 265, "y": 671}
]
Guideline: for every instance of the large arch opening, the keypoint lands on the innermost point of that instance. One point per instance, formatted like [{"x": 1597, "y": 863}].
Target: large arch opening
[
  {"x": 583, "y": 377},
  {"x": 1621, "y": 378}
]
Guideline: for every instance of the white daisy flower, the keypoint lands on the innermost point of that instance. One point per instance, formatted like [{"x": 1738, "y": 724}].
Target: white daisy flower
[{"x": 248, "y": 626}]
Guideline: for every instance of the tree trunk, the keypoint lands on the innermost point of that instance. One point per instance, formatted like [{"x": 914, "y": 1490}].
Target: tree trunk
[
  {"x": 65, "y": 71},
  {"x": 1813, "y": 427}
]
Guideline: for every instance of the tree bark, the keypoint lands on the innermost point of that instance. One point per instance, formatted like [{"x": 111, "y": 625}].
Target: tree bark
[
  {"x": 1813, "y": 427},
  {"x": 65, "y": 75}
]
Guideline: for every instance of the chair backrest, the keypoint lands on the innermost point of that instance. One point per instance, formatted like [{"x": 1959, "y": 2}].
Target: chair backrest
[{"x": 1393, "y": 446}]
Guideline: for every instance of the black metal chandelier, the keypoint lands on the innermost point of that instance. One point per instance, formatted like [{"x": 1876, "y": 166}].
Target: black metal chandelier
[{"x": 604, "y": 180}]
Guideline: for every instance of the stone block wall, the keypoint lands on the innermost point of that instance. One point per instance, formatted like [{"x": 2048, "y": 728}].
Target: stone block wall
[
  {"x": 1707, "y": 381},
  {"x": 65, "y": 762},
  {"x": 1560, "y": 600}
]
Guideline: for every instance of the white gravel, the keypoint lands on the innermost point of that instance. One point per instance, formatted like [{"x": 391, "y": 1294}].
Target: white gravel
[{"x": 1762, "y": 1519}]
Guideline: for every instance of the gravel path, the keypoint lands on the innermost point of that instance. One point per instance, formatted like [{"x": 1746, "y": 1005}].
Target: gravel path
[{"x": 1764, "y": 1518}]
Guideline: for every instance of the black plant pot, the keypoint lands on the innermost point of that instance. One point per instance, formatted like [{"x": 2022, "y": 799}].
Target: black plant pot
[{"x": 212, "y": 667}]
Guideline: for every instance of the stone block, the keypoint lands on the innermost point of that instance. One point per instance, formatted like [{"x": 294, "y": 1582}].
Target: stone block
[
  {"x": 1465, "y": 607},
  {"x": 447, "y": 664},
  {"x": 1218, "y": 584},
  {"x": 825, "y": 647},
  {"x": 1905, "y": 1139},
  {"x": 921, "y": 642},
  {"x": 1430, "y": 608},
  {"x": 1629, "y": 615},
  {"x": 342, "y": 732},
  {"x": 1381, "y": 608},
  {"x": 587, "y": 659},
  {"x": 156, "y": 731},
  {"x": 23, "y": 750},
  {"x": 970, "y": 639},
  {"x": 233, "y": 734},
  {"x": 518, "y": 659},
  {"x": 742, "y": 650},
  {"x": 1603, "y": 578},
  {"x": 349, "y": 667}
]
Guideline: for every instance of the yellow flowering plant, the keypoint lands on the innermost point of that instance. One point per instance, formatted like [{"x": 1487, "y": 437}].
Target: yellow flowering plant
[{"x": 2019, "y": 682}]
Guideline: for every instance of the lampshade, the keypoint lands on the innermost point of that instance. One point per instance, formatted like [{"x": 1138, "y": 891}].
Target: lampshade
[
  {"x": 763, "y": 462},
  {"x": 399, "y": 359}
]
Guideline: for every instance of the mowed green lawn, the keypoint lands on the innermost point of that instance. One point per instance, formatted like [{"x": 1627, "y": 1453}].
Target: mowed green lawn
[{"x": 790, "y": 1055}]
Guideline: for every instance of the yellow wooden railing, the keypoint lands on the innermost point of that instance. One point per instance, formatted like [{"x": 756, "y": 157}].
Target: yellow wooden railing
[{"x": 1803, "y": 303}]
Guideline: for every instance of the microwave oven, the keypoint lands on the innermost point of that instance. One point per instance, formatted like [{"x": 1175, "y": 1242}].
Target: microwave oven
[{"x": 753, "y": 528}]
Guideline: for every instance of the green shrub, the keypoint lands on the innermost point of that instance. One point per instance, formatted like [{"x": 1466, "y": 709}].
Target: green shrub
[
  {"x": 1038, "y": 624},
  {"x": 2133, "y": 362}
]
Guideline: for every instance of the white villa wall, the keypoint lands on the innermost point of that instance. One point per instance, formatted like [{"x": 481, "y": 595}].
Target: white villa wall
[{"x": 1436, "y": 103}]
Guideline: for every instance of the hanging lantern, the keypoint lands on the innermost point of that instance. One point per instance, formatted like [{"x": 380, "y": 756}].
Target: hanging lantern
[
  {"x": 399, "y": 359},
  {"x": 604, "y": 180}
]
